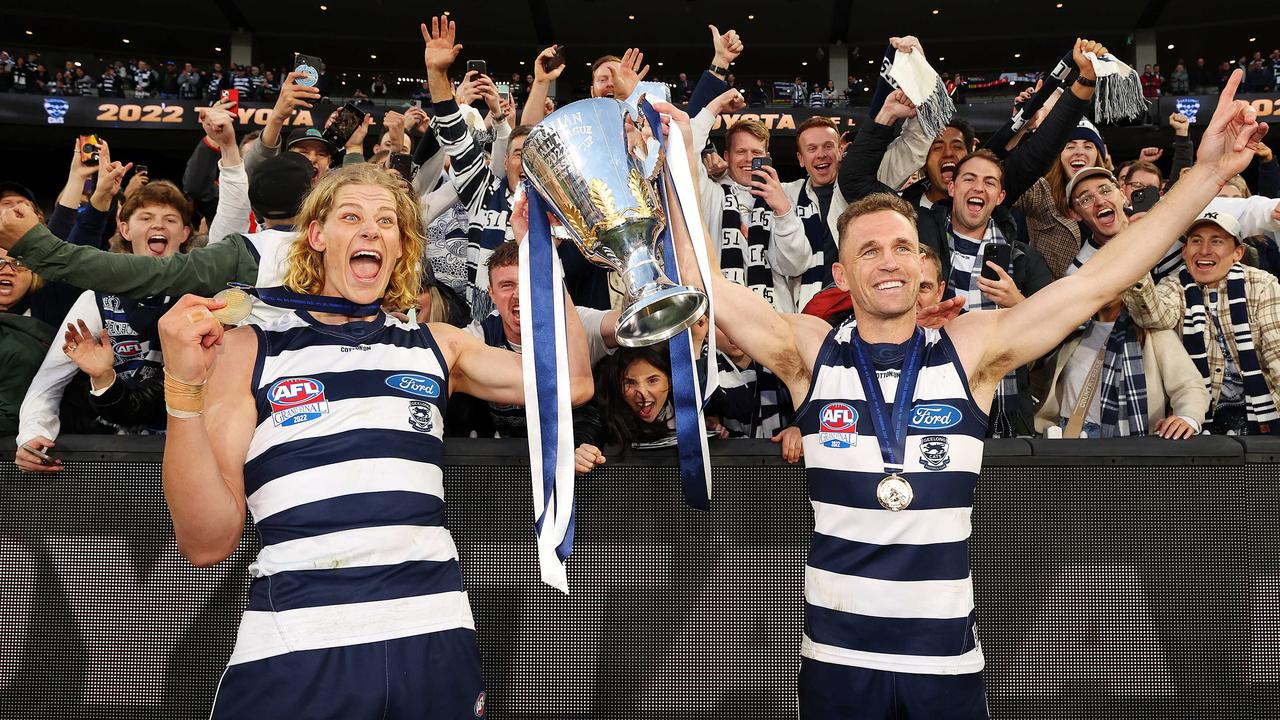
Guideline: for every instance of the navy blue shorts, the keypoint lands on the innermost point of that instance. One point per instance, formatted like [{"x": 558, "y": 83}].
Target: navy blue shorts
[
  {"x": 840, "y": 692},
  {"x": 425, "y": 676}
]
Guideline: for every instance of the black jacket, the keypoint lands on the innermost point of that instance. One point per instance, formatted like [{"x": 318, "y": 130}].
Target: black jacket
[{"x": 858, "y": 179}]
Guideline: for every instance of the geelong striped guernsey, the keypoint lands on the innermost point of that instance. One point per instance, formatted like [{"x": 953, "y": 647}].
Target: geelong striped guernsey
[
  {"x": 891, "y": 590},
  {"x": 344, "y": 481}
]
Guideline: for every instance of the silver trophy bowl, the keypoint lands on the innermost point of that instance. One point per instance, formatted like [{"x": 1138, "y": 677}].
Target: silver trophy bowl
[{"x": 595, "y": 166}]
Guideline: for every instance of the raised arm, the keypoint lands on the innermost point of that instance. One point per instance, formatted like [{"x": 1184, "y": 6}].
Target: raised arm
[
  {"x": 1028, "y": 162},
  {"x": 292, "y": 97},
  {"x": 203, "y": 271},
  {"x": 211, "y": 424},
  {"x": 861, "y": 165},
  {"x": 787, "y": 348},
  {"x": 233, "y": 182},
  {"x": 534, "y": 105},
  {"x": 1000, "y": 341}
]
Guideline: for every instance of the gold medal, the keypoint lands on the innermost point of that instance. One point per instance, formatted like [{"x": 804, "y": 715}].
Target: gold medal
[
  {"x": 237, "y": 308},
  {"x": 894, "y": 493}
]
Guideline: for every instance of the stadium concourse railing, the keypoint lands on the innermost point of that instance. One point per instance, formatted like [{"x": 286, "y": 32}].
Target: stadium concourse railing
[{"x": 1114, "y": 579}]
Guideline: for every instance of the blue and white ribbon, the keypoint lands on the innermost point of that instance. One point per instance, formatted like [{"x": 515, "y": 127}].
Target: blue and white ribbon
[
  {"x": 688, "y": 394},
  {"x": 548, "y": 411}
]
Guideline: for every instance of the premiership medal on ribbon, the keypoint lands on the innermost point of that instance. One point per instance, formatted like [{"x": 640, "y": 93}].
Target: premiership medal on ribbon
[
  {"x": 893, "y": 492},
  {"x": 239, "y": 298},
  {"x": 238, "y": 304}
]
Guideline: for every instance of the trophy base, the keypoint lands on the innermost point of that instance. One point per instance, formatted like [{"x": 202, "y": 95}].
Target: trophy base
[{"x": 660, "y": 316}]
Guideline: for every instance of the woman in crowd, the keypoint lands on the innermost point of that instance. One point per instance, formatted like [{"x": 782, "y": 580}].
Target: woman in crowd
[
  {"x": 1049, "y": 225},
  {"x": 633, "y": 388}
]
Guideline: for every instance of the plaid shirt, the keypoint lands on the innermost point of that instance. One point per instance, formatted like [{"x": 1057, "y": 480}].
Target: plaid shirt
[{"x": 1161, "y": 306}]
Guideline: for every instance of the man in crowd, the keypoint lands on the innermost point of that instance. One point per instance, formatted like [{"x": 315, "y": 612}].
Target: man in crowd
[
  {"x": 761, "y": 240},
  {"x": 309, "y": 142},
  {"x": 957, "y": 140},
  {"x": 1097, "y": 200},
  {"x": 1229, "y": 316},
  {"x": 819, "y": 149},
  {"x": 145, "y": 80},
  {"x": 502, "y": 330},
  {"x": 877, "y": 643}
]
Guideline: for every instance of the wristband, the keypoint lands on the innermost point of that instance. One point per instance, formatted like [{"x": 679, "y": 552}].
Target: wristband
[
  {"x": 716, "y": 69},
  {"x": 1086, "y": 81},
  {"x": 183, "y": 399}
]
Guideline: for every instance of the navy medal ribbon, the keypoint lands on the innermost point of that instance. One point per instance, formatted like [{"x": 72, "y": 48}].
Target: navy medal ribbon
[{"x": 892, "y": 437}]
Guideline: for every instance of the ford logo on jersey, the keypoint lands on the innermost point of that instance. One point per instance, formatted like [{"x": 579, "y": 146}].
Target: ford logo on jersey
[
  {"x": 419, "y": 385},
  {"x": 935, "y": 416},
  {"x": 297, "y": 400},
  {"x": 838, "y": 425}
]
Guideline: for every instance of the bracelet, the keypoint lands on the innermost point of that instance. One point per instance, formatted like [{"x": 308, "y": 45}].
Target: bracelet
[
  {"x": 183, "y": 397},
  {"x": 716, "y": 69},
  {"x": 1086, "y": 81}
]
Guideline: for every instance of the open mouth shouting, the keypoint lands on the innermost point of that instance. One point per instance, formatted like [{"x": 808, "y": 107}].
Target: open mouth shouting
[
  {"x": 646, "y": 408},
  {"x": 366, "y": 265},
  {"x": 947, "y": 171},
  {"x": 157, "y": 244},
  {"x": 6, "y": 286},
  {"x": 1077, "y": 164},
  {"x": 1106, "y": 217},
  {"x": 975, "y": 204}
]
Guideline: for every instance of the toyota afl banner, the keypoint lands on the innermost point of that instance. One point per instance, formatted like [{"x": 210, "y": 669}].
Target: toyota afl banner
[{"x": 99, "y": 113}]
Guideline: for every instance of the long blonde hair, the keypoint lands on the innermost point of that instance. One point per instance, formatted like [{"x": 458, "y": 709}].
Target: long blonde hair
[{"x": 305, "y": 265}]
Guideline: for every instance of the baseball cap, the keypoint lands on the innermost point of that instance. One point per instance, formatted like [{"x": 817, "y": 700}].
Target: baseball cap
[
  {"x": 303, "y": 134},
  {"x": 278, "y": 186},
  {"x": 1084, "y": 174},
  {"x": 1224, "y": 220},
  {"x": 14, "y": 188}
]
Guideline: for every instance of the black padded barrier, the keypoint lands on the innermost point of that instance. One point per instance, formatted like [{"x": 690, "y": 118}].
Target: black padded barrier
[{"x": 1114, "y": 579}]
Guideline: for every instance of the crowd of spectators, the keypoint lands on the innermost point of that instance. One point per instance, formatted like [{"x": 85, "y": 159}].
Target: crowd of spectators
[
  {"x": 81, "y": 289},
  {"x": 135, "y": 78},
  {"x": 1261, "y": 74}
]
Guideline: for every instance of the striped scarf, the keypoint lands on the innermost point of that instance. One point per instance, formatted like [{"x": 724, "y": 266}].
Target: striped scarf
[
  {"x": 744, "y": 243},
  {"x": 1261, "y": 408},
  {"x": 964, "y": 283},
  {"x": 1123, "y": 393},
  {"x": 822, "y": 247},
  {"x": 912, "y": 74}
]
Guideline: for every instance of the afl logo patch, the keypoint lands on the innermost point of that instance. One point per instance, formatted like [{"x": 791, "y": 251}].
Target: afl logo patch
[
  {"x": 126, "y": 349},
  {"x": 478, "y": 708},
  {"x": 838, "y": 425},
  {"x": 419, "y": 385},
  {"x": 297, "y": 400},
  {"x": 935, "y": 416}
]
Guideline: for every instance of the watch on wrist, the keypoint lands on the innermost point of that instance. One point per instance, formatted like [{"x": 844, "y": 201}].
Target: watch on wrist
[
  {"x": 718, "y": 70},
  {"x": 1086, "y": 81}
]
